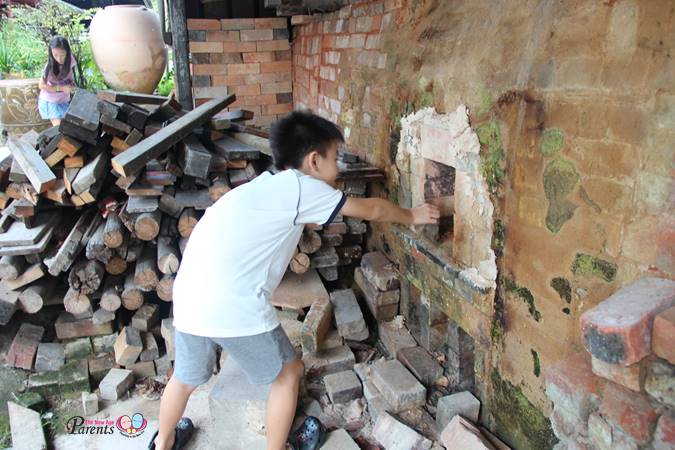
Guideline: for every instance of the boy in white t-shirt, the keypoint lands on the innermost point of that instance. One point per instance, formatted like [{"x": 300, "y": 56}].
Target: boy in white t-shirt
[{"x": 235, "y": 259}]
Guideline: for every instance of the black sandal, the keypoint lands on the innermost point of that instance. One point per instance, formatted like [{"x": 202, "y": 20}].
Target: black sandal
[{"x": 184, "y": 431}]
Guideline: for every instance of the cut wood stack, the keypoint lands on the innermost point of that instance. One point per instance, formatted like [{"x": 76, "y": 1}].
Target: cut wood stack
[{"x": 96, "y": 211}]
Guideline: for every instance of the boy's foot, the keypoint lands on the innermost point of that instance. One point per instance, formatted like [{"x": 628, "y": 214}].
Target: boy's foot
[
  {"x": 309, "y": 436},
  {"x": 183, "y": 430}
]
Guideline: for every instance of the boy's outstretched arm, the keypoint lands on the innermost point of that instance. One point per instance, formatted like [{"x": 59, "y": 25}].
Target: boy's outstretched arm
[{"x": 381, "y": 210}]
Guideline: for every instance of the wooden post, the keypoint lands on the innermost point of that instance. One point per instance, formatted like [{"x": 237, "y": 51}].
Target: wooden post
[{"x": 181, "y": 63}]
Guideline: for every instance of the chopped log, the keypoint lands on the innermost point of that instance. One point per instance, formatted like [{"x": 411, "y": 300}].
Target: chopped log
[
  {"x": 127, "y": 219},
  {"x": 77, "y": 238},
  {"x": 8, "y": 303},
  {"x": 133, "y": 160},
  {"x": 300, "y": 263},
  {"x": 168, "y": 257},
  {"x": 187, "y": 221},
  {"x": 146, "y": 225},
  {"x": 195, "y": 158},
  {"x": 11, "y": 267},
  {"x": 113, "y": 233},
  {"x": 134, "y": 249},
  {"x": 132, "y": 296},
  {"x": 116, "y": 265},
  {"x": 90, "y": 174},
  {"x": 310, "y": 241},
  {"x": 145, "y": 274},
  {"x": 111, "y": 299},
  {"x": 37, "y": 171},
  {"x": 165, "y": 287},
  {"x": 35, "y": 296},
  {"x": 76, "y": 302},
  {"x": 219, "y": 187},
  {"x": 96, "y": 248},
  {"x": 86, "y": 276},
  {"x": 130, "y": 97}
]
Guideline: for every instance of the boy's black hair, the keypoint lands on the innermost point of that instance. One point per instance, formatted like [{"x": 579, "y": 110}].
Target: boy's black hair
[{"x": 298, "y": 134}]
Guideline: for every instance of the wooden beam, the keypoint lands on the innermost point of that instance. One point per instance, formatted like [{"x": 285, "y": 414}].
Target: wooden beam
[
  {"x": 181, "y": 59},
  {"x": 37, "y": 171},
  {"x": 130, "y": 97},
  {"x": 91, "y": 173}
]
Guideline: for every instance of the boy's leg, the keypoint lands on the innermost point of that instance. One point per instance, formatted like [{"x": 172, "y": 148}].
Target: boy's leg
[
  {"x": 171, "y": 408},
  {"x": 281, "y": 404}
]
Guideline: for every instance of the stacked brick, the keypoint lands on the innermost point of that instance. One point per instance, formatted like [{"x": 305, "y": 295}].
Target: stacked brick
[
  {"x": 247, "y": 57},
  {"x": 623, "y": 394}
]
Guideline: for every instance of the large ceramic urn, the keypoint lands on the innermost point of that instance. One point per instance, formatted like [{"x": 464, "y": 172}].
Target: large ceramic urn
[
  {"x": 18, "y": 106},
  {"x": 128, "y": 47}
]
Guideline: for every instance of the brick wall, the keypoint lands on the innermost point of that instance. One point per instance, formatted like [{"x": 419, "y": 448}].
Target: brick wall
[
  {"x": 250, "y": 58},
  {"x": 573, "y": 106}
]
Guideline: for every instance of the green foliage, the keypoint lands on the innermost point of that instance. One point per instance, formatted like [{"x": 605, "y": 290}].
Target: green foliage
[
  {"x": 166, "y": 84},
  {"x": 30, "y": 30}
]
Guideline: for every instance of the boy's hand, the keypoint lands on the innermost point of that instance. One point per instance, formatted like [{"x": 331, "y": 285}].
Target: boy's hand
[{"x": 426, "y": 214}]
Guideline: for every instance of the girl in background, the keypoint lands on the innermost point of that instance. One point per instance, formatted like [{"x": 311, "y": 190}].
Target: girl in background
[{"x": 57, "y": 81}]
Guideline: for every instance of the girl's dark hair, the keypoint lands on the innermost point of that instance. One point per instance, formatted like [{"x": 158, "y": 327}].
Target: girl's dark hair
[
  {"x": 60, "y": 71},
  {"x": 298, "y": 134}
]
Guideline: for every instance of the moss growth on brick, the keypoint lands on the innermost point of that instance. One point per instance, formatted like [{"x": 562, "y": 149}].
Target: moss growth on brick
[
  {"x": 535, "y": 363},
  {"x": 519, "y": 422},
  {"x": 587, "y": 266},
  {"x": 563, "y": 288},
  {"x": 560, "y": 178},
  {"x": 486, "y": 102},
  {"x": 498, "y": 234},
  {"x": 525, "y": 295},
  {"x": 5, "y": 432},
  {"x": 492, "y": 155},
  {"x": 552, "y": 140}
]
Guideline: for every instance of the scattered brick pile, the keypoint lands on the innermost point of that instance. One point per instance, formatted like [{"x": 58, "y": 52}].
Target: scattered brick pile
[
  {"x": 622, "y": 395},
  {"x": 250, "y": 58}
]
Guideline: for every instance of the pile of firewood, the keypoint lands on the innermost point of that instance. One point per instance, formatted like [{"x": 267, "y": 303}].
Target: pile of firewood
[{"x": 96, "y": 211}]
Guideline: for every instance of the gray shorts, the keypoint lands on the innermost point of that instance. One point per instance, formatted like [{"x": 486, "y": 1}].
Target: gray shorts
[{"x": 260, "y": 356}]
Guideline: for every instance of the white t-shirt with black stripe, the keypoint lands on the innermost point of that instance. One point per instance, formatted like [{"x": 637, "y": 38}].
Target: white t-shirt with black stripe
[{"x": 239, "y": 250}]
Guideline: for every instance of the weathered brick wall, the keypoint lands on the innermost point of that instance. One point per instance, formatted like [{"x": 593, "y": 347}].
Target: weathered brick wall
[
  {"x": 573, "y": 103},
  {"x": 247, "y": 57}
]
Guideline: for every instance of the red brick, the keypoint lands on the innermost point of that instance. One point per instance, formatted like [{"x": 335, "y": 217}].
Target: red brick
[
  {"x": 276, "y": 88},
  {"x": 223, "y": 58},
  {"x": 631, "y": 412},
  {"x": 619, "y": 329},
  {"x": 302, "y": 20},
  {"x": 571, "y": 384},
  {"x": 222, "y": 36},
  {"x": 243, "y": 69},
  {"x": 257, "y": 35},
  {"x": 251, "y": 89},
  {"x": 237, "y": 24},
  {"x": 271, "y": 22},
  {"x": 238, "y": 47},
  {"x": 271, "y": 46},
  {"x": 664, "y": 437},
  {"x": 266, "y": 99},
  {"x": 271, "y": 77},
  {"x": 209, "y": 69},
  {"x": 663, "y": 335},
  {"x": 631, "y": 377},
  {"x": 278, "y": 66},
  {"x": 278, "y": 109},
  {"x": 258, "y": 57},
  {"x": 24, "y": 346},
  {"x": 357, "y": 40},
  {"x": 228, "y": 80},
  {"x": 210, "y": 92},
  {"x": 206, "y": 47},
  {"x": 203, "y": 24}
]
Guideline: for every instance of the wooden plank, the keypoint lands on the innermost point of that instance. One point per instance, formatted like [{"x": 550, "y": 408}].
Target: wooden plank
[
  {"x": 195, "y": 158},
  {"x": 130, "y": 97},
  {"x": 69, "y": 176},
  {"x": 233, "y": 149},
  {"x": 73, "y": 162},
  {"x": 181, "y": 56},
  {"x": 18, "y": 234},
  {"x": 134, "y": 159},
  {"x": 37, "y": 171},
  {"x": 222, "y": 120},
  {"x": 55, "y": 157},
  {"x": 70, "y": 146},
  {"x": 77, "y": 238},
  {"x": 135, "y": 116},
  {"x": 114, "y": 126},
  {"x": 91, "y": 173},
  {"x": 79, "y": 133},
  {"x": 33, "y": 273},
  {"x": 138, "y": 189},
  {"x": 194, "y": 199},
  {"x": 30, "y": 249},
  {"x": 138, "y": 204}
]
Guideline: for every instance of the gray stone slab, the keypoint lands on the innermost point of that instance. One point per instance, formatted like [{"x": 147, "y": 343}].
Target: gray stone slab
[
  {"x": 348, "y": 315},
  {"x": 395, "y": 435},
  {"x": 399, "y": 387},
  {"x": 342, "y": 387},
  {"x": 26, "y": 427},
  {"x": 462, "y": 403},
  {"x": 50, "y": 357},
  {"x": 116, "y": 384}
]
